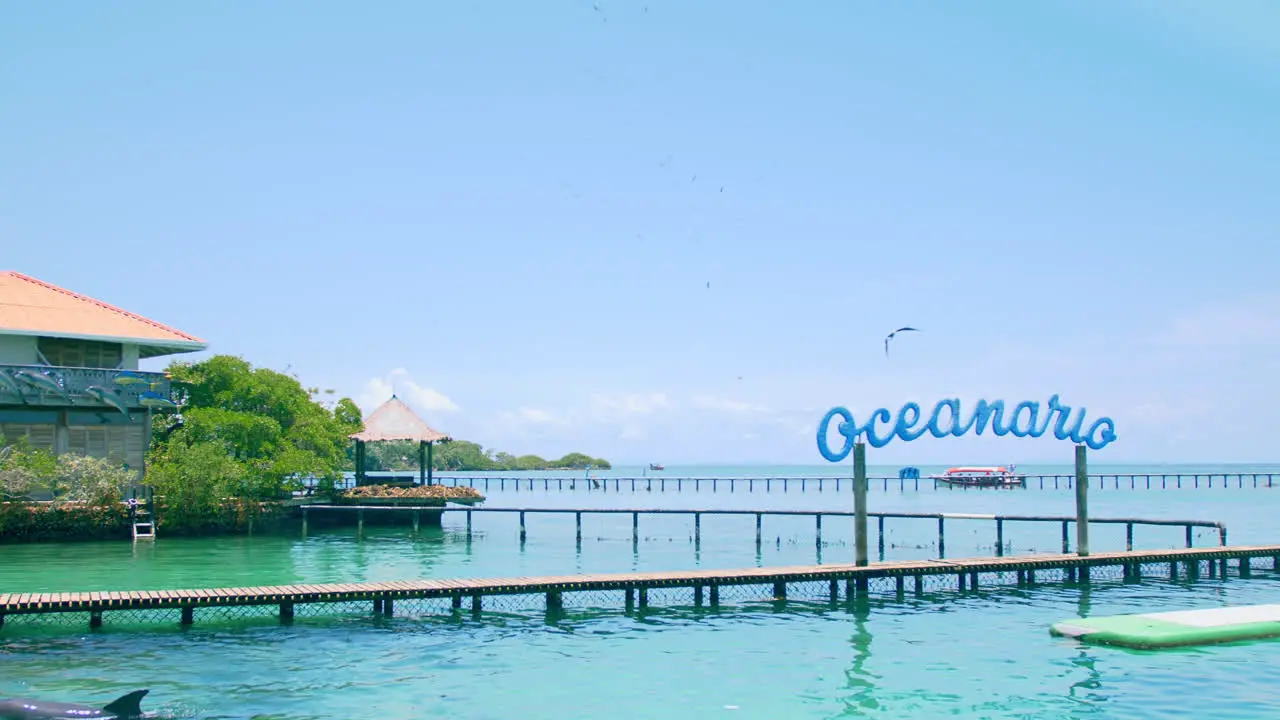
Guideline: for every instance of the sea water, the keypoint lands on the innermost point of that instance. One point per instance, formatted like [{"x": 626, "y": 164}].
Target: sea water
[{"x": 983, "y": 655}]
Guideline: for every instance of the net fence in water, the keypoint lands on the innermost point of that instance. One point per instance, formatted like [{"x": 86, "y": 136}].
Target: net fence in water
[{"x": 794, "y": 595}]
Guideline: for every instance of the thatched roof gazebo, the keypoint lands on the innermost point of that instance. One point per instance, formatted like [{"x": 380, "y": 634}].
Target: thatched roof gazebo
[{"x": 393, "y": 420}]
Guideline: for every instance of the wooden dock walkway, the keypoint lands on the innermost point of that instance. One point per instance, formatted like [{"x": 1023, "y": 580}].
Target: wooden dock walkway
[{"x": 635, "y": 586}]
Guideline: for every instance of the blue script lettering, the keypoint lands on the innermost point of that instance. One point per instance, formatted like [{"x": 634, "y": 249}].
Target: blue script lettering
[{"x": 1025, "y": 421}]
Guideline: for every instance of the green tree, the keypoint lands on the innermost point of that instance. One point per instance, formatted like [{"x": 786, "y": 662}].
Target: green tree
[
  {"x": 265, "y": 423},
  {"x": 465, "y": 456}
]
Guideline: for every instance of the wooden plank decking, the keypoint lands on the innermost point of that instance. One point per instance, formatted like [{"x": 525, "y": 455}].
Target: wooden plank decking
[{"x": 288, "y": 595}]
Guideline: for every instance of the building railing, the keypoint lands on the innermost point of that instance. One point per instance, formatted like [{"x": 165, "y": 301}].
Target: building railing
[{"x": 48, "y": 386}]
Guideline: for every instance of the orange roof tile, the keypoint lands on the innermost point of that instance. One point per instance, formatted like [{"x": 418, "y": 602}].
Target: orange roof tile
[
  {"x": 32, "y": 307},
  {"x": 393, "y": 420}
]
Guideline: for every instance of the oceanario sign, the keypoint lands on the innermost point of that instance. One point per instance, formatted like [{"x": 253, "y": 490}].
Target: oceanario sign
[{"x": 1025, "y": 420}]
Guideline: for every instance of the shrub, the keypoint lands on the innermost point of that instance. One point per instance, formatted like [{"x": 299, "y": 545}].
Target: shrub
[
  {"x": 24, "y": 470},
  {"x": 89, "y": 480}
]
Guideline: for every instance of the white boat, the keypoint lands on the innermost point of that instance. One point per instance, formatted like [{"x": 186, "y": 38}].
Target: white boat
[{"x": 982, "y": 476}]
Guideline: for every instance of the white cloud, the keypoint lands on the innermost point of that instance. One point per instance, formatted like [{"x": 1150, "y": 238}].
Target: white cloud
[
  {"x": 1245, "y": 321},
  {"x": 709, "y": 402},
  {"x": 531, "y": 416},
  {"x": 398, "y": 382},
  {"x": 633, "y": 432},
  {"x": 615, "y": 407}
]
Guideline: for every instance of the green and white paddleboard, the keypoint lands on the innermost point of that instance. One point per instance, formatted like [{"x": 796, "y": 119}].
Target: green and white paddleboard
[{"x": 1175, "y": 629}]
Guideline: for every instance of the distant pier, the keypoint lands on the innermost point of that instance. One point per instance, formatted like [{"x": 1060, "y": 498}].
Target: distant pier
[{"x": 812, "y": 483}]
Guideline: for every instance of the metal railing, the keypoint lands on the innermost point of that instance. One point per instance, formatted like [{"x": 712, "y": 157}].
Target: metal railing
[
  {"x": 817, "y": 515},
  {"x": 80, "y": 387}
]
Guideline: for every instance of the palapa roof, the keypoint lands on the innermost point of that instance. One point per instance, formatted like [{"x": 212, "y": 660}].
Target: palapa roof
[
  {"x": 393, "y": 420},
  {"x": 33, "y": 307}
]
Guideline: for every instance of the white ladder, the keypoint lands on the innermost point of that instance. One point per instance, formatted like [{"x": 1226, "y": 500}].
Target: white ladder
[{"x": 143, "y": 527}]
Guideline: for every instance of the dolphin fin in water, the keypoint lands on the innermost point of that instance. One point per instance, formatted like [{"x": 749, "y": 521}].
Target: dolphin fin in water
[{"x": 127, "y": 707}]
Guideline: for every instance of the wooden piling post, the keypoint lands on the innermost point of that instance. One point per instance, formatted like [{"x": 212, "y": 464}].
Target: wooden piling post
[
  {"x": 880, "y": 536},
  {"x": 554, "y": 601},
  {"x": 577, "y": 520},
  {"x": 635, "y": 527},
  {"x": 388, "y": 607},
  {"x": 1128, "y": 536},
  {"x": 95, "y": 618},
  {"x": 644, "y": 597},
  {"x": 188, "y": 615},
  {"x": 715, "y": 595},
  {"x": 286, "y": 612},
  {"x": 999, "y": 538},
  {"x": 758, "y": 536},
  {"x": 1082, "y": 501},
  {"x": 697, "y": 529},
  {"x": 779, "y": 590},
  {"x": 860, "y": 503},
  {"x": 377, "y": 605},
  {"x": 475, "y": 604},
  {"x": 523, "y": 533},
  {"x": 942, "y": 537},
  {"x": 817, "y": 529}
]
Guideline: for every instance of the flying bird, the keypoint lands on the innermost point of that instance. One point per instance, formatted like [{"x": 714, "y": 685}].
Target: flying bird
[{"x": 895, "y": 332}]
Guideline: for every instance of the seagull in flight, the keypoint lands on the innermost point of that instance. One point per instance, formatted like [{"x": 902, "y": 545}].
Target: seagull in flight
[{"x": 895, "y": 332}]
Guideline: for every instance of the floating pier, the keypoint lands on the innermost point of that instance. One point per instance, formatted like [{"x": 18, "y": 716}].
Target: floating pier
[
  {"x": 815, "y": 582},
  {"x": 1178, "y": 628}
]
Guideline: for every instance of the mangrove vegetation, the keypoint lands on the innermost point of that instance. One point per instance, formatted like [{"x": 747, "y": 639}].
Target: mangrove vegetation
[{"x": 241, "y": 439}]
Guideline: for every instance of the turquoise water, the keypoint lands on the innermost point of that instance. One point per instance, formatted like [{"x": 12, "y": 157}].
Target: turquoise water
[{"x": 984, "y": 655}]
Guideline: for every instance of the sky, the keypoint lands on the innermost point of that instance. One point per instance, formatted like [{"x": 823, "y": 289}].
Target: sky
[{"x": 509, "y": 213}]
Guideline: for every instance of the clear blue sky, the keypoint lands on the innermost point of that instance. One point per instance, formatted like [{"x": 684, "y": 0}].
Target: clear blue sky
[{"x": 496, "y": 205}]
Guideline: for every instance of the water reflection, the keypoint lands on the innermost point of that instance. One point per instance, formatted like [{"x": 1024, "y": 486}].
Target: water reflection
[{"x": 860, "y": 681}]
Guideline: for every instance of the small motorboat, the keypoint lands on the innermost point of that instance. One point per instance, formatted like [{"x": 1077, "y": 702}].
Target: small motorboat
[
  {"x": 656, "y": 466},
  {"x": 982, "y": 476}
]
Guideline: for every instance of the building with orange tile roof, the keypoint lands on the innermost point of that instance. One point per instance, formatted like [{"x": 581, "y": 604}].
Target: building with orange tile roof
[{"x": 69, "y": 378}]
